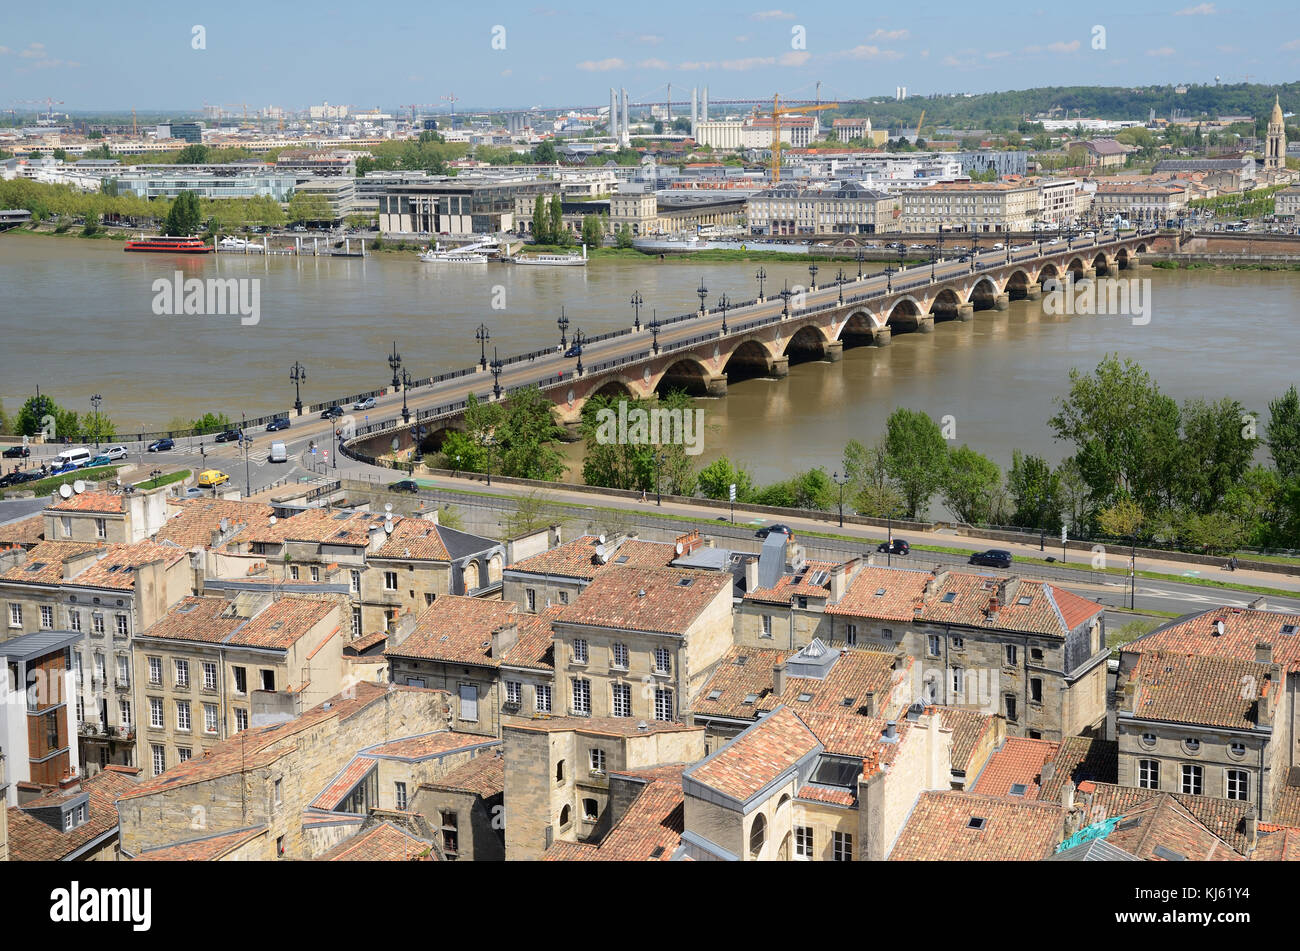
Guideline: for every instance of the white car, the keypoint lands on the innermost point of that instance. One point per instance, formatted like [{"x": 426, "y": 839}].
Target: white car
[
  {"x": 115, "y": 452},
  {"x": 367, "y": 403}
]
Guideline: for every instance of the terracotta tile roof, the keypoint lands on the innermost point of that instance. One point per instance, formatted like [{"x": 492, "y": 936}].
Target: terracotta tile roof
[
  {"x": 105, "y": 502},
  {"x": 1242, "y": 630},
  {"x": 1286, "y": 806},
  {"x": 1277, "y": 844},
  {"x": 534, "y": 644},
  {"x": 276, "y": 626},
  {"x": 114, "y": 570},
  {"x": 940, "y": 829},
  {"x": 577, "y": 559},
  {"x": 649, "y": 831},
  {"x": 604, "y": 726},
  {"x": 31, "y": 840},
  {"x": 757, "y": 756},
  {"x": 850, "y": 735},
  {"x": 25, "y": 533},
  {"x": 484, "y": 776},
  {"x": 44, "y": 564},
  {"x": 745, "y": 672},
  {"x": 194, "y": 522},
  {"x": 565, "y": 851},
  {"x": 427, "y": 745},
  {"x": 1081, "y": 759},
  {"x": 384, "y": 842},
  {"x": 968, "y": 727},
  {"x": 414, "y": 538},
  {"x": 672, "y": 602},
  {"x": 456, "y": 629},
  {"x": 1018, "y": 762},
  {"x": 321, "y": 525},
  {"x": 1163, "y": 823},
  {"x": 1183, "y": 688},
  {"x": 346, "y": 780},
  {"x": 796, "y": 585},
  {"x": 367, "y": 641},
  {"x": 835, "y": 795},
  {"x": 901, "y": 590},
  {"x": 1225, "y": 818},
  {"x": 207, "y": 849}
]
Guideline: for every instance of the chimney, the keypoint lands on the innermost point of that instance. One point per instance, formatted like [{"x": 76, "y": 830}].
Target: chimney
[
  {"x": 1046, "y": 774},
  {"x": 778, "y": 679},
  {"x": 553, "y": 539},
  {"x": 751, "y": 574},
  {"x": 1259, "y": 604},
  {"x": 1264, "y": 705},
  {"x": 503, "y": 638},
  {"x": 1067, "y": 795},
  {"x": 936, "y": 580},
  {"x": 1263, "y": 653},
  {"x": 1252, "y": 832},
  {"x": 869, "y": 705},
  {"x": 839, "y": 579},
  {"x": 891, "y": 731}
]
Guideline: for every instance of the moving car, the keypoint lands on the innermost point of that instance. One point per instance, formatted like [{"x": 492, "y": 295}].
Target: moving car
[
  {"x": 162, "y": 445},
  {"x": 275, "y": 425},
  {"x": 574, "y": 351},
  {"x": 18, "y": 478},
  {"x": 18, "y": 452},
  {"x": 780, "y": 529},
  {"x": 899, "y": 547},
  {"x": 333, "y": 412},
  {"x": 212, "y": 478},
  {"x": 405, "y": 485},
  {"x": 367, "y": 403},
  {"x": 61, "y": 468},
  {"x": 993, "y": 558},
  {"x": 100, "y": 460},
  {"x": 278, "y": 453},
  {"x": 115, "y": 452},
  {"x": 230, "y": 435}
]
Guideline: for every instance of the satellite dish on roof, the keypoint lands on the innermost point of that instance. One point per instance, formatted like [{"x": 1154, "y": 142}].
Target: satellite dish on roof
[
  {"x": 65, "y": 491},
  {"x": 680, "y": 548},
  {"x": 388, "y": 527},
  {"x": 272, "y": 520},
  {"x": 78, "y": 486},
  {"x": 388, "y": 507},
  {"x": 601, "y": 539}
]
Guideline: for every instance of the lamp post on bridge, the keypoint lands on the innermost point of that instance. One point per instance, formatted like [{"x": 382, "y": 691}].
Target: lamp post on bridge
[
  {"x": 785, "y": 298},
  {"x": 723, "y": 303},
  {"x": 974, "y": 249},
  {"x": 636, "y": 309},
  {"x": 406, "y": 385},
  {"x": 761, "y": 274},
  {"x": 563, "y": 323},
  {"x": 654, "y": 326},
  {"x": 395, "y": 364},
  {"x": 839, "y": 279},
  {"x": 579, "y": 341},
  {"x": 861, "y": 256},
  {"x": 482, "y": 336},
  {"x": 297, "y": 376},
  {"x": 497, "y": 366},
  {"x": 701, "y": 293},
  {"x": 812, "y": 273},
  {"x": 889, "y": 278}
]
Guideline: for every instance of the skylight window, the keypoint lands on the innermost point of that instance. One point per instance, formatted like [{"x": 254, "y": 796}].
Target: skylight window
[
  {"x": 1288, "y": 629},
  {"x": 805, "y": 697},
  {"x": 976, "y": 822},
  {"x": 1025, "y": 599},
  {"x": 37, "y": 566},
  {"x": 1018, "y": 789},
  {"x": 880, "y": 592},
  {"x": 621, "y": 560},
  {"x": 847, "y": 702},
  {"x": 750, "y": 698},
  {"x": 714, "y": 694},
  {"x": 685, "y": 582},
  {"x": 1169, "y": 855},
  {"x": 949, "y": 598}
]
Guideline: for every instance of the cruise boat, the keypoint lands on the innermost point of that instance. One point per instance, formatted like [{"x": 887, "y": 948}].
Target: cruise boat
[
  {"x": 475, "y": 253},
  {"x": 232, "y": 243},
  {"x": 554, "y": 260},
  {"x": 163, "y": 244}
]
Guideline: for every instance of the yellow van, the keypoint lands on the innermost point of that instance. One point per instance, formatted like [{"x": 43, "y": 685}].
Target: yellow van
[{"x": 212, "y": 477}]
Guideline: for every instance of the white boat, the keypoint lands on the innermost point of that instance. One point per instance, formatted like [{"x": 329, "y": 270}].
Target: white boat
[
  {"x": 554, "y": 260},
  {"x": 232, "y": 243},
  {"x": 475, "y": 253}
]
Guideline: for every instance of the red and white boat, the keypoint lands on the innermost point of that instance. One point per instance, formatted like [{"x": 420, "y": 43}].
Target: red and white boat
[{"x": 162, "y": 244}]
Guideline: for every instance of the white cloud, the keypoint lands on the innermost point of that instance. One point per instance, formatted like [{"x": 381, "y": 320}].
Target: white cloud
[
  {"x": 867, "y": 51},
  {"x": 771, "y": 15},
  {"x": 650, "y": 39},
  {"x": 996, "y": 54},
  {"x": 602, "y": 65},
  {"x": 652, "y": 64},
  {"x": 1291, "y": 45},
  {"x": 889, "y": 35},
  {"x": 1059, "y": 47},
  {"x": 795, "y": 58},
  {"x": 751, "y": 62},
  {"x": 507, "y": 72},
  {"x": 743, "y": 38},
  {"x": 1162, "y": 51},
  {"x": 4, "y": 50},
  {"x": 1200, "y": 10},
  {"x": 34, "y": 51}
]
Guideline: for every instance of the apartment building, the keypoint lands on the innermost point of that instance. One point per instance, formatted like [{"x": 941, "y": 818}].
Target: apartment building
[
  {"x": 105, "y": 517},
  {"x": 455, "y": 207},
  {"x": 1059, "y": 201},
  {"x": 212, "y": 664},
  {"x": 37, "y": 731},
  {"x": 558, "y": 575},
  {"x": 838, "y": 208},
  {"x": 1143, "y": 205},
  {"x": 557, "y": 774},
  {"x": 971, "y": 207},
  {"x": 75, "y": 824},
  {"x": 466, "y": 808}
]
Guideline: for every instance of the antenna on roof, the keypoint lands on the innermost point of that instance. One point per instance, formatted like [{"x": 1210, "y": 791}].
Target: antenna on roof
[
  {"x": 65, "y": 491},
  {"x": 78, "y": 487}
]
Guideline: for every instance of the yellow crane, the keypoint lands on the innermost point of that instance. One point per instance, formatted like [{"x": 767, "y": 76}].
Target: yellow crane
[
  {"x": 777, "y": 112},
  {"x": 918, "y": 127}
]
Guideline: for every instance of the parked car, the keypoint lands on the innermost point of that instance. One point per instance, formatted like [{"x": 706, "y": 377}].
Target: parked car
[
  {"x": 18, "y": 452},
  {"x": 211, "y": 478},
  {"x": 230, "y": 435},
  {"x": 899, "y": 547},
  {"x": 781, "y": 529},
  {"x": 100, "y": 460},
  {"x": 116, "y": 452},
  {"x": 333, "y": 412},
  {"x": 66, "y": 467},
  {"x": 18, "y": 478},
  {"x": 8, "y": 479},
  {"x": 193, "y": 492},
  {"x": 162, "y": 445},
  {"x": 275, "y": 425},
  {"x": 993, "y": 558},
  {"x": 405, "y": 485},
  {"x": 367, "y": 403}
]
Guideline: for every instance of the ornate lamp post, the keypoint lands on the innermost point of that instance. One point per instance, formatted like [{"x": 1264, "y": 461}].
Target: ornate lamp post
[
  {"x": 701, "y": 292},
  {"x": 637, "y": 301},
  {"x": 812, "y": 272},
  {"x": 934, "y": 259},
  {"x": 889, "y": 278},
  {"x": 722, "y": 305},
  {"x": 902, "y": 253},
  {"x": 839, "y": 279},
  {"x": 406, "y": 385},
  {"x": 761, "y": 274},
  {"x": 974, "y": 249},
  {"x": 579, "y": 341},
  {"x": 482, "y": 336},
  {"x": 298, "y": 376},
  {"x": 654, "y": 326},
  {"x": 786, "y": 294},
  {"x": 395, "y": 363},
  {"x": 563, "y": 323},
  {"x": 244, "y": 443},
  {"x": 95, "y": 402},
  {"x": 861, "y": 256},
  {"x": 841, "y": 481},
  {"x": 497, "y": 366}
]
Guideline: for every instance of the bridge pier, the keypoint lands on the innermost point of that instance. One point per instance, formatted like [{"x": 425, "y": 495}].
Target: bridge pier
[
  {"x": 1033, "y": 291},
  {"x": 881, "y": 336},
  {"x": 925, "y": 324},
  {"x": 1088, "y": 274},
  {"x": 965, "y": 312},
  {"x": 778, "y": 367},
  {"x": 716, "y": 385},
  {"x": 1002, "y": 302},
  {"x": 835, "y": 351}
]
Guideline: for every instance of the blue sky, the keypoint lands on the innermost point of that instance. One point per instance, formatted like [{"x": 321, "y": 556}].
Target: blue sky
[{"x": 119, "y": 56}]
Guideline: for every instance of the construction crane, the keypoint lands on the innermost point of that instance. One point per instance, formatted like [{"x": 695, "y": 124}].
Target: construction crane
[
  {"x": 453, "y": 100},
  {"x": 777, "y": 112},
  {"x": 918, "y": 127},
  {"x": 417, "y": 105}
]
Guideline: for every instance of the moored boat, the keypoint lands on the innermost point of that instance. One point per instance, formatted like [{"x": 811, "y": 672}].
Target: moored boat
[{"x": 165, "y": 244}]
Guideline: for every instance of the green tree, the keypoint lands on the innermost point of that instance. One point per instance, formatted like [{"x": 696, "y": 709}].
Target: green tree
[
  {"x": 545, "y": 154},
  {"x": 593, "y": 231},
  {"x": 40, "y": 415},
  {"x": 1215, "y": 453},
  {"x": 309, "y": 206},
  {"x": 534, "y": 510},
  {"x": 529, "y": 438},
  {"x": 610, "y": 462},
  {"x": 813, "y": 489},
  {"x": 559, "y": 234},
  {"x": 715, "y": 480},
  {"x": 1035, "y": 491},
  {"x": 183, "y": 218},
  {"x": 624, "y": 238},
  {"x": 1283, "y": 434},
  {"x": 210, "y": 423},
  {"x": 969, "y": 486},
  {"x": 780, "y": 494},
  {"x": 1124, "y": 519},
  {"x": 916, "y": 458},
  {"x": 194, "y": 154},
  {"x": 871, "y": 489},
  {"x": 541, "y": 221},
  {"x": 98, "y": 426}
]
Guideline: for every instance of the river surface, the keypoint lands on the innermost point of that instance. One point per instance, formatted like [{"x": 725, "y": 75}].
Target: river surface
[{"x": 77, "y": 318}]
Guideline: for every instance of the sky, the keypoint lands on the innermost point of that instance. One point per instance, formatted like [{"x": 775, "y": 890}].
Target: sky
[{"x": 177, "y": 56}]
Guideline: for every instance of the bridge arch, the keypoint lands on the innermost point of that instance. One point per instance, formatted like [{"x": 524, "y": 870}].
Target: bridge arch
[
  {"x": 747, "y": 361},
  {"x": 905, "y": 315},
  {"x": 1101, "y": 264},
  {"x": 614, "y": 387},
  {"x": 1017, "y": 285},
  {"x": 983, "y": 294},
  {"x": 687, "y": 374},
  {"x": 432, "y": 442},
  {"x": 1122, "y": 259},
  {"x": 806, "y": 343},
  {"x": 1140, "y": 249},
  {"x": 1075, "y": 267},
  {"x": 1048, "y": 272},
  {"x": 858, "y": 329},
  {"x": 946, "y": 304}
]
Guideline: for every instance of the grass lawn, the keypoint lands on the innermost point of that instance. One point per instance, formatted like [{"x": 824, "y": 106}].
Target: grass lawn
[
  {"x": 46, "y": 486},
  {"x": 164, "y": 480}
]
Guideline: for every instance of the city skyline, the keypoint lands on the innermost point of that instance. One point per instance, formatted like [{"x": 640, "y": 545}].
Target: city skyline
[{"x": 486, "y": 59}]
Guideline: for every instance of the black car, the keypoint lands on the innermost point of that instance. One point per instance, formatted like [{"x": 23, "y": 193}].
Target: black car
[
  {"x": 18, "y": 478},
  {"x": 993, "y": 558},
  {"x": 17, "y": 452},
  {"x": 780, "y": 529},
  {"x": 899, "y": 547},
  {"x": 275, "y": 425},
  {"x": 230, "y": 435},
  {"x": 574, "y": 351},
  {"x": 333, "y": 412},
  {"x": 406, "y": 485},
  {"x": 162, "y": 445}
]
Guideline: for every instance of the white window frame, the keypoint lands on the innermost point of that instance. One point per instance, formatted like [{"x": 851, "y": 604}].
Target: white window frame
[
  {"x": 159, "y": 759},
  {"x": 581, "y": 688},
  {"x": 183, "y": 718},
  {"x": 514, "y": 691},
  {"x": 542, "y": 698},
  {"x": 1236, "y": 781},
  {"x": 15, "y": 614},
  {"x": 1192, "y": 775},
  {"x": 596, "y": 757},
  {"x": 97, "y": 623},
  {"x": 241, "y": 720},
  {"x": 620, "y": 654},
  {"x": 803, "y": 842},
  {"x": 47, "y": 617},
  {"x": 181, "y": 669},
  {"x": 210, "y": 718},
  {"x": 390, "y": 580},
  {"x": 399, "y": 793},
  {"x": 621, "y": 700},
  {"x": 124, "y": 713},
  {"x": 155, "y": 671},
  {"x": 663, "y": 660},
  {"x": 123, "y": 627},
  {"x": 209, "y": 675},
  {"x": 580, "y": 652},
  {"x": 664, "y": 704}
]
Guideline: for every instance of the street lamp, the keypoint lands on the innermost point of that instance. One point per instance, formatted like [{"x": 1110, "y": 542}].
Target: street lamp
[
  {"x": 94, "y": 403},
  {"x": 761, "y": 274},
  {"x": 482, "y": 336},
  {"x": 406, "y": 385},
  {"x": 244, "y": 442},
  {"x": 637, "y": 301},
  {"x": 839, "y": 279},
  {"x": 934, "y": 259},
  {"x": 841, "y": 481},
  {"x": 563, "y": 323},
  {"x": 497, "y": 366},
  {"x": 890, "y": 271},
  {"x": 334, "y": 446},
  {"x": 722, "y": 305},
  {"x": 654, "y": 326},
  {"x": 395, "y": 362},
  {"x": 701, "y": 293},
  {"x": 861, "y": 256},
  {"x": 812, "y": 272},
  {"x": 785, "y": 298},
  {"x": 298, "y": 376},
  {"x": 659, "y": 458},
  {"x": 974, "y": 249}
]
